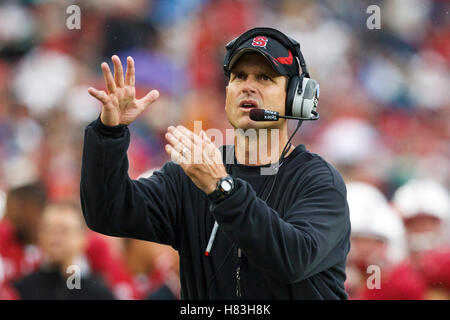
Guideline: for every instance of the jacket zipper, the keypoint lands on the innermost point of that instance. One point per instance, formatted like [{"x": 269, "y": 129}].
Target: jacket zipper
[{"x": 238, "y": 274}]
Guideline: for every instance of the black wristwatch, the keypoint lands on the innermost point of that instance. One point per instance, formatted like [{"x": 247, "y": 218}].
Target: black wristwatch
[{"x": 224, "y": 188}]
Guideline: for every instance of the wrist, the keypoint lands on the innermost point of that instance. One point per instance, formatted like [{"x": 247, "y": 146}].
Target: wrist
[
  {"x": 109, "y": 120},
  {"x": 213, "y": 186},
  {"x": 225, "y": 186},
  {"x": 115, "y": 131}
]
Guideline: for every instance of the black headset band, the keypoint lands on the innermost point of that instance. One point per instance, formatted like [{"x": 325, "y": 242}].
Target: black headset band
[{"x": 286, "y": 41}]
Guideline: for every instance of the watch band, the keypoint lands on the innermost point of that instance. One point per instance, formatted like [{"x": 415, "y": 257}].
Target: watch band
[{"x": 220, "y": 191}]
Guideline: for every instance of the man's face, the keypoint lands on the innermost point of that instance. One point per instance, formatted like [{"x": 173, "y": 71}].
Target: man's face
[
  {"x": 366, "y": 250},
  {"x": 61, "y": 234},
  {"x": 254, "y": 82},
  {"x": 423, "y": 232}
]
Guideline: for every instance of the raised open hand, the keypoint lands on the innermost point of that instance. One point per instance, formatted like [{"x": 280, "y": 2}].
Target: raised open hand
[{"x": 120, "y": 105}]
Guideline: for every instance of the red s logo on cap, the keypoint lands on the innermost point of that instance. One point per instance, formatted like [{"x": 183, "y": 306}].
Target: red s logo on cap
[{"x": 260, "y": 42}]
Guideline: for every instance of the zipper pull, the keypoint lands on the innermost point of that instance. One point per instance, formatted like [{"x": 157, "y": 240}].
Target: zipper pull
[{"x": 238, "y": 275}]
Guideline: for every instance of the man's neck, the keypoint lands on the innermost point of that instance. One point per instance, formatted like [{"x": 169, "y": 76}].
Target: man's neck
[{"x": 255, "y": 147}]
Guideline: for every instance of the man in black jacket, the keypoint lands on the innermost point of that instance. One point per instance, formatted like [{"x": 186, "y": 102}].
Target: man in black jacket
[{"x": 279, "y": 236}]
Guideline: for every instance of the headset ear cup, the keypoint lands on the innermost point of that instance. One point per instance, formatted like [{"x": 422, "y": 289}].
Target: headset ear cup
[
  {"x": 290, "y": 95},
  {"x": 308, "y": 99}
]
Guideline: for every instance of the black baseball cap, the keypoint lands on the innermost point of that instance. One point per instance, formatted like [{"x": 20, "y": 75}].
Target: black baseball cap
[{"x": 283, "y": 59}]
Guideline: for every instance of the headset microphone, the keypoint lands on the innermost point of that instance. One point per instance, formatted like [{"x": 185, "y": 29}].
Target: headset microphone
[{"x": 269, "y": 115}]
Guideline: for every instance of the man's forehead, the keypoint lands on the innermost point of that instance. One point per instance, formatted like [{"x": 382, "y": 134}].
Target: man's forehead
[{"x": 254, "y": 61}]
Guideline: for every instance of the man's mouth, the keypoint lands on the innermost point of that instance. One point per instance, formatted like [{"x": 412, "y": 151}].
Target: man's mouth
[{"x": 248, "y": 104}]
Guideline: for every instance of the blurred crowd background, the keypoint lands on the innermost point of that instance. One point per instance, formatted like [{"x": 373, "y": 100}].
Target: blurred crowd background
[{"x": 384, "y": 106}]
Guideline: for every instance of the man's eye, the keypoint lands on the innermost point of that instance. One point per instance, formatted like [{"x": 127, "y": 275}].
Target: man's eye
[
  {"x": 240, "y": 76},
  {"x": 265, "y": 77}
]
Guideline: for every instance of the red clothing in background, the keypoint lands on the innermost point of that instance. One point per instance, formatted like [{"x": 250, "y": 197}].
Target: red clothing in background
[{"x": 19, "y": 260}]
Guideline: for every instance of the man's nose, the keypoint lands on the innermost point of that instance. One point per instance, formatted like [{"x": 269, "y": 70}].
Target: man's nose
[{"x": 250, "y": 85}]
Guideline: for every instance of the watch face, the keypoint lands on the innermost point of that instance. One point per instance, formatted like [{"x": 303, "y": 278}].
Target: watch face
[{"x": 226, "y": 186}]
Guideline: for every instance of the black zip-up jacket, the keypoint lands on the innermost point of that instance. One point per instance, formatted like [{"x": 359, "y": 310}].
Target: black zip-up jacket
[{"x": 292, "y": 247}]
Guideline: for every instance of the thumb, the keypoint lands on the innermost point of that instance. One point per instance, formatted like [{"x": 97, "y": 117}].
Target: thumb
[{"x": 149, "y": 98}]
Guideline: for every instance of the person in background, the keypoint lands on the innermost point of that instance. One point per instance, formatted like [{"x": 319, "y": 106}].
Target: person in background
[
  {"x": 18, "y": 229},
  {"x": 425, "y": 272},
  {"x": 167, "y": 262},
  {"x": 106, "y": 259},
  {"x": 154, "y": 269},
  {"x": 376, "y": 237},
  {"x": 424, "y": 205},
  {"x": 18, "y": 238},
  {"x": 62, "y": 240},
  {"x": 6, "y": 291}
]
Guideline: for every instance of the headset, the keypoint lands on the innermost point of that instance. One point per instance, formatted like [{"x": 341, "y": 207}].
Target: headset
[{"x": 302, "y": 96}]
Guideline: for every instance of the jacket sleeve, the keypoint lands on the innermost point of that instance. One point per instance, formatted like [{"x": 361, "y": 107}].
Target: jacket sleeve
[
  {"x": 115, "y": 205},
  {"x": 308, "y": 239}
]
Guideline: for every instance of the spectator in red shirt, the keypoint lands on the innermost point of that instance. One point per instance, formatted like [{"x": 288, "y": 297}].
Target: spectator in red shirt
[
  {"x": 376, "y": 238},
  {"x": 18, "y": 237},
  {"x": 64, "y": 272},
  {"x": 18, "y": 230},
  {"x": 425, "y": 274},
  {"x": 424, "y": 205},
  {"x": 154, "y": 269}
]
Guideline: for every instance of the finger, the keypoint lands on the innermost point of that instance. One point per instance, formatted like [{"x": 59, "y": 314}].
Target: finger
[
  {"x": 175, "y": 155},
  {"x": 100, "y": 95},
  {"x": 148, "y": 99},
  {"x": 185, "y": 140},
  {"x": 109, "y": 80},
  {"x": 214, "y": 156},
  {"x": 191, "y": 135},
  {"x": 196, "y": 149},
  {"x": 202, "y": 148},
  {"x": 118, "y": 71},
  {"x": 130, "y": 75},
  {"x": 182, "y": 146}
]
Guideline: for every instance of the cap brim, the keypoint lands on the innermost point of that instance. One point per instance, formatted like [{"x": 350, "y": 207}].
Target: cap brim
[{"x": 240, "y": 52}]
